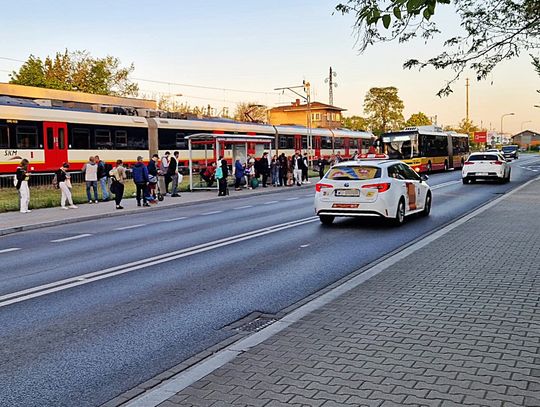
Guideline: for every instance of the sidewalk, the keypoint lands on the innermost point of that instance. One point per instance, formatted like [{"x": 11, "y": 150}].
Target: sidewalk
[
  {"x": 456, "y": 322},
  {"x": 11, "y": 222}
]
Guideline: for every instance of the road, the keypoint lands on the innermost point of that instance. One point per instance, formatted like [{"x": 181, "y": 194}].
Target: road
[{"x": 90, "y": 310}]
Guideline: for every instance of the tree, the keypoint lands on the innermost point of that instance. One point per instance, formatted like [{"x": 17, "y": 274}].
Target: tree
[
  {"x": 250, "y": 111},
  {"x": 384, "y": 109},
  {"x": 78, "y": 71},
  {"x": 356, "y": 123},
  {"x": 418, "y": 119},
  {"x": 464, "y": 127},
  {"x": 494, "y": 31}
]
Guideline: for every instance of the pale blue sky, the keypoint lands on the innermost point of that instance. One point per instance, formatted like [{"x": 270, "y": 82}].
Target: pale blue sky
[{"x": 258, "y": 46}]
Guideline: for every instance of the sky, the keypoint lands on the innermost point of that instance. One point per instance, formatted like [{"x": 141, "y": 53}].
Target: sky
[{"x": 246, "y": 49}]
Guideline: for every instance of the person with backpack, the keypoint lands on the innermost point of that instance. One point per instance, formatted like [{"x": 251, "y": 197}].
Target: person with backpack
[
  {"x": 102, "y": 176},
  {"x": 140, "y": 178},
  {"x": 222, "y": 173},
  {"x": 22, "y": 175},
  {"x": 63, "y": 180},
  {"x": 118, "y": 178}
]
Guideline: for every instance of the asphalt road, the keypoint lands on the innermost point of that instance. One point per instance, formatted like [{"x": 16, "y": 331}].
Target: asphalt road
[{"x": 90, "y": 310}]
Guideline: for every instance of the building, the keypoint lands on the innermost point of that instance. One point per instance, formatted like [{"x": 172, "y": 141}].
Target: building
[
  {"x": 527, "y": 139},
  {"x": 322, "y": 115}
]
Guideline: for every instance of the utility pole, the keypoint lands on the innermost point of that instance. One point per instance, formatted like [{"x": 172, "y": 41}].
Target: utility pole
[
  {"x": 306, "y": 86},
  {"x": 467, "y": 100},
  {"x": 331, "y": 84}
]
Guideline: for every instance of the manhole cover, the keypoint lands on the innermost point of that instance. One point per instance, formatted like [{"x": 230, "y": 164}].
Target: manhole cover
[{"x": 256, "y": 325}]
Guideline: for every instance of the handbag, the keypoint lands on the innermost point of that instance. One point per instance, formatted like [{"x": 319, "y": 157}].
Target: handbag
[{"x": 68, "y": 183}]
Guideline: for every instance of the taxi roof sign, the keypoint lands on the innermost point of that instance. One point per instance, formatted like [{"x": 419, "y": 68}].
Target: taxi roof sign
[{"x": 373, "y": 157}]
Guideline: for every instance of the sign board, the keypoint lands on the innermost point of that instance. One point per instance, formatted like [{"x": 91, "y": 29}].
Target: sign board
[{"x": 480, "y": 136}]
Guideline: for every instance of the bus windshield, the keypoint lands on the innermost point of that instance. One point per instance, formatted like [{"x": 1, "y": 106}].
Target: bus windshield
[{"x": 401, "y": 147}]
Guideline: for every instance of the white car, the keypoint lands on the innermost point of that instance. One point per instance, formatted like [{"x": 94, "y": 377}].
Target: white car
[
  {"x": 372, "y": 187},
  {"x": 485, "y": 165}
]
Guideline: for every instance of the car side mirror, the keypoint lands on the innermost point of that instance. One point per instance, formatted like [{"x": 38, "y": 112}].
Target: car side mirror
[{"x": 424, "y": 177}]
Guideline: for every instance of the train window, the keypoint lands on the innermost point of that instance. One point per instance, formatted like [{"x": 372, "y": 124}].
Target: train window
[
  {"x": 326, "y": 142},
  {"x": 353, "y": 143},
  {"x": 338, "y": 142},
  {"x": 180, "y": 142},
  {"x": 61, "y": 139},
  {"x": 27, "y": 137},
  {"x": 50, "y": 138},
  {"x": 4, "y": 137},
  {"x": 120, "y": 139},
  {"x": 304, "y": 142},
  {"x": 103, "y": 139},
  {"x": 282, "y": 142},
  {"x": 80, "y": 139}
]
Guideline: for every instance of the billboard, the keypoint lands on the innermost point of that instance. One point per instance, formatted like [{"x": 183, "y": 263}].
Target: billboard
[{"x": 480, "y": 136}]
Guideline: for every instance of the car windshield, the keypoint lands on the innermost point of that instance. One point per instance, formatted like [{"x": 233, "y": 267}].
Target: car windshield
[
  {"x": 483, "y": 157},
  {"x": 401, "y": 146},
  {"x": 509, "y": 149},
  {"x": 353, "y": 173}
]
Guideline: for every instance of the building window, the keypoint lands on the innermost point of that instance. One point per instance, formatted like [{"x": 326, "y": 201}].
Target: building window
[
  {"x": 338, "y": 117},
  {"x": 27, "y": 137}
]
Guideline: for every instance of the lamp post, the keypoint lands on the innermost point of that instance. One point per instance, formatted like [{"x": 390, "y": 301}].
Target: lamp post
[
  {"x": 502, "y": 117},
  {"x": 522, "y": 123}
]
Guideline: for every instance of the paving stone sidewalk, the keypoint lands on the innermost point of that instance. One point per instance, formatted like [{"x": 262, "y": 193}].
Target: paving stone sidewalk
[{"x": 455, "y": 323}]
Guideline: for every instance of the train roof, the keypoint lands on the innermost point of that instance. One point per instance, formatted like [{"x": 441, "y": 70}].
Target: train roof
[{"x": 213, "y": 125}]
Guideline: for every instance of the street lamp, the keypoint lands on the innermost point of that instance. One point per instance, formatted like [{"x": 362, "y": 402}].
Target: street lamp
[
  {"x": 522, "y": 123},
  {"x": 502, "y": 117}
]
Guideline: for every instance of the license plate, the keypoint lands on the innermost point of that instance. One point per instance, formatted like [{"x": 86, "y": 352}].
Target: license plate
[
  {"x": 336, "y": 205},
  {"x": 347, "y": 192}
]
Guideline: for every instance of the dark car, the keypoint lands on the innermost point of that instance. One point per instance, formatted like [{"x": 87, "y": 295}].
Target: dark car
[{"x": 511, "y": 151}]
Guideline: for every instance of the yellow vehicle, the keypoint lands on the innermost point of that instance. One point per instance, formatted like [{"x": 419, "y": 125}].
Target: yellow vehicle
[{"x": 427, "y": 148}]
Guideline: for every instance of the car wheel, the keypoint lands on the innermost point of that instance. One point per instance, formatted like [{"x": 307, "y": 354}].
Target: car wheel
[
  {"x": 427, "y": 205},
  {"x": 465, "y": 180},
  {"x": 326, "y": 219},
  {"x": 508, "y": 176},
  {"x": 399, "y": 219}
]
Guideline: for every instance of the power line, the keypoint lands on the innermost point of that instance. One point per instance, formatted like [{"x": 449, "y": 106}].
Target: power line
[
  {"x": 12, "y": 59},
  {"x": 204, "y": 87}
]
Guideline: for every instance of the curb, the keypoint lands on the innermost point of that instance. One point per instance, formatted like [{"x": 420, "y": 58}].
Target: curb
[{"x": 23, "y": 228}]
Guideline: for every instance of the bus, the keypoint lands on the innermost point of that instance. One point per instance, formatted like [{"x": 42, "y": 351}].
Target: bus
[{"x": 427, "y": 148}]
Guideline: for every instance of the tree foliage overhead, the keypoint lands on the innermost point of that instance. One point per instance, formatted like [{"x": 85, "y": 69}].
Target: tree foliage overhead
[
  {"x": 384, "y": 109},
  {"x": 250, "y": 112},
  {"x": 418, "y": 119},
  {"x": 77, "y": 71},
  {"x": 356, "y": 123},
  {"x": 494, "y": 31}
]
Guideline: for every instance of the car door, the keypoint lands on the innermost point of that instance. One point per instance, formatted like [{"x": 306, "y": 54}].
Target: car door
[
  {"x": 415, "y": 190},
  {"x": 398, "y": 179}
]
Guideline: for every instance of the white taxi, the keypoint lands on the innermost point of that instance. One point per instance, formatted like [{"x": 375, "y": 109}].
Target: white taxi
[
  {"x": 486, "y": 166},
  {"x": 372, "y": 186}
]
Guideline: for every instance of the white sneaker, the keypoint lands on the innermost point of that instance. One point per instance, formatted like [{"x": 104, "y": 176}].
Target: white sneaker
[
  {"x": 28, "y": 211},
  {"x": 73, "y": 206},
  {"x": 64, "y": 207}
]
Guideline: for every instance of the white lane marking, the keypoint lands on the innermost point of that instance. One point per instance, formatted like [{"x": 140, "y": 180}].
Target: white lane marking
[
  {"x": 131, "y": 227},
  {"x": 445, "y": 184},
  {"x": 39, "y": 291},
  {"x": 179, "y": 382},
  {"x": 173, "y": 219},
  {"x": 310, "y": 195},
  {"x": 304, "y": 245},
  {"x": 11, "y": 249},
  {"x": 293, "y": 198},
  {"x": 270, "y": 202},
  {"x": 211, "y": 213},
  {"x": 244, "y": 207},
  {"x": 65, "y": 239}
]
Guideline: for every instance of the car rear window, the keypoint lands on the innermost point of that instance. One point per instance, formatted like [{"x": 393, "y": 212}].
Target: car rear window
[
  {"x": 483, "y": 157},
  {"x": 509, "y": 149},
  {"x": 354, "y": 173}
]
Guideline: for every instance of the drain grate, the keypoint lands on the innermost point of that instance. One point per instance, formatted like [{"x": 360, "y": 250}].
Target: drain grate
[{"x": 257, "y": 324}]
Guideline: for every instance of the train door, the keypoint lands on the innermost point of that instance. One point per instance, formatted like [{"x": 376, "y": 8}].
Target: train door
[
  {"x": 298, "y": 142},
  {"x": 55, "y": 144},
  {"x": 317, "y": 145}
]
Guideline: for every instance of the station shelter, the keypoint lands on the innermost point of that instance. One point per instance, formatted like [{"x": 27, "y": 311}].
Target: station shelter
[{"x": 206, "y": 148}]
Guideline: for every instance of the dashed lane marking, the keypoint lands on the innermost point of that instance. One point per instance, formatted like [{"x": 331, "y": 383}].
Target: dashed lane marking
[
  {"x": 445, "y": 184},
  {"x": 173, "y": 219},
  {"x": 211, "y": 213},
  {"x": 11, "y": 249},
  {"x": 131, "y": 227},
  {"x": 270, "y": 202},
  {"x": 244, "y": 207},
  {"x": 65, "y": 239},
  {"x": 304, "y": 245},
  {"x": 293, "y": 198}
]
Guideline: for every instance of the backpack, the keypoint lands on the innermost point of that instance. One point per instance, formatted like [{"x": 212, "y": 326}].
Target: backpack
[
  {"x": 55, "y": 181},
  {"x": 219, "y": 173}
]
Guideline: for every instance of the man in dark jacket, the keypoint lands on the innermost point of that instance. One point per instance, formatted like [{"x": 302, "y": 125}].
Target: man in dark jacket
[
  {"x": 264, "y": 168},
  {"x": 283, "y": 168},
  {"x": 172, "y": 173},
  {"x": 140, "y": 178}
]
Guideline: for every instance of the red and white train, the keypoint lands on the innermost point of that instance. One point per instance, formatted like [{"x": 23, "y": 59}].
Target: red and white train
[{"x": 47, "y": 137}]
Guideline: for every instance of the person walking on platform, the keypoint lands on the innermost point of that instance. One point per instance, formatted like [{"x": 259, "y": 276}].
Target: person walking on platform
[
  {"x": 102, "y": 175},
  {"x": 140, "y": 178},
  {"x": 221, "y": 175},
  {"x": 264, "y": 169},
  {"x": 283, "y": 168},
  {"x": 238, "y": 175},
  {"x": 297, "y": 165},
  {"x": 91, "y": 178},
  {"x": 118, "y": 178},
  {"x": 64, "y": 183},
  {"x": 22, "y": 175},
  {"x": 173, "y": 174},
  {"x": 305, "y": 169},
  {"x": 164, "y": 169}
]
